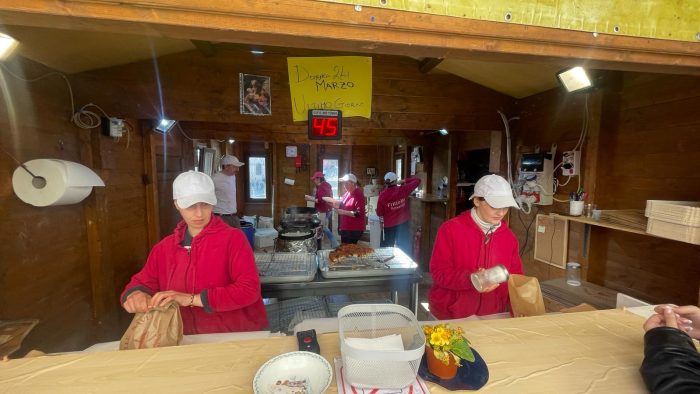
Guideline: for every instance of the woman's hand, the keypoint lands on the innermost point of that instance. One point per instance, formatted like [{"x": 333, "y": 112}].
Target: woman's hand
[
  {"x": 490, "y": 288},
  {"x": 165, "y": 297},
  {"x": 309, "y": 198},
  {"x": 137, "y": 301},
  {"x": 331, "y": 201}
]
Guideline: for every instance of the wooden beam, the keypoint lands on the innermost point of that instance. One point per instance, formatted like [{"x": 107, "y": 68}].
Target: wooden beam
[
  {"x": 429, "y": 63},
  {"x": 150, "y": 180},
  {"x": 205, "y": 47},
  {"x": 306, "y": 24}
]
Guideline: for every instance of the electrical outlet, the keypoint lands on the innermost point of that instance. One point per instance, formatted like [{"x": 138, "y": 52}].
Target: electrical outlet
[
  {"x": 116, "y": 127},
  {"x": 571, "y": 163},
  {"x": 112, "y": 127}
]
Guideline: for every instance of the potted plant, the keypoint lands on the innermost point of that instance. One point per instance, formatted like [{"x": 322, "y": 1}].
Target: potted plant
[{"x": 445, "y": 348}]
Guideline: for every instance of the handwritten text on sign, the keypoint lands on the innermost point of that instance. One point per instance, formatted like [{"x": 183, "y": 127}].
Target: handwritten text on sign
[{"x": 338, "y": 82}]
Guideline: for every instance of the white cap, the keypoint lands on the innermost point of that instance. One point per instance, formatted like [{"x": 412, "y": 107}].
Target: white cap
[
  {"x": 349, "y": 177},
  {"x": 231, "y": 160},
  {"x": 390, "y": 177},
  {"x": 192, "y": 187},
  {"x": 496, "y": 191}
]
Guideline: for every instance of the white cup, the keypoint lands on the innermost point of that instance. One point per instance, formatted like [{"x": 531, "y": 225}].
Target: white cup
[{"x": 575, "y": 208}]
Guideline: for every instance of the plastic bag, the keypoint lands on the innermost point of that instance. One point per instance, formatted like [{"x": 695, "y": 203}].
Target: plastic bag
[{"x": 159, "y": 327}]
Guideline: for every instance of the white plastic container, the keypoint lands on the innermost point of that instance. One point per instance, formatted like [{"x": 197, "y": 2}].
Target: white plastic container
[
  {"x": 264, "y": 222},
  {"x": 377, "y": 366},
  {"x": 265, "y": 237},
  {"x": 375, "y": 231}
]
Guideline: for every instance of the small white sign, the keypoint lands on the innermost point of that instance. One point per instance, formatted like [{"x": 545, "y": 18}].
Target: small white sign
[
  {"x": 291, "y": 151},
  {"x": 289, "y": 182},
  {"x": 541, "y": 229}
]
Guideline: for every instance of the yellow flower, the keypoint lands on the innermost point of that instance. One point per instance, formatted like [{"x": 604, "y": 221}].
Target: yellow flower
[{"x": 447, "y": 342}]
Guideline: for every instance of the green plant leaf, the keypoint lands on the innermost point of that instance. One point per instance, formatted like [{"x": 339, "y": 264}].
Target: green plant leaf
[{"x": 462, "y": 350}]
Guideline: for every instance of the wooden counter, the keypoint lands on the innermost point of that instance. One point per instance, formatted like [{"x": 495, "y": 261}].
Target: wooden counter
[{"x": 589, "y": 352}]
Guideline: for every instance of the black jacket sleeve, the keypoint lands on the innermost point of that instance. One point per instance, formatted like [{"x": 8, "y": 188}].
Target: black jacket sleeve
[{"x": 671, "y": 362}]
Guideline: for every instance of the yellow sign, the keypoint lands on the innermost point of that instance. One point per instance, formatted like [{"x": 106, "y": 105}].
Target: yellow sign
[{"x": 336, "y": 82}]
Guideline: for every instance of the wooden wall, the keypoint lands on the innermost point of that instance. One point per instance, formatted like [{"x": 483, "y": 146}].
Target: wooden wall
[
  {"x": 640, "y": 145},
  {"x": 61, "y": 264}
]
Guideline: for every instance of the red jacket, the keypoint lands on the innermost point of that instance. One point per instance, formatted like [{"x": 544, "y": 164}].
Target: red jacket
[
  {"x": 392, "y": 203},
  {"x": 459, "y": 250},
  {"x": 354, "y": 201},
  {"x": 323, "y": 190},
  {"x": 220, "y": 267}
]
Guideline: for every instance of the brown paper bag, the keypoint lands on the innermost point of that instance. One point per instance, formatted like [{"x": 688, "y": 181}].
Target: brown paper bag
[
  {"x": 159, "y": 327},
  {"x": 525, "y": 296}
]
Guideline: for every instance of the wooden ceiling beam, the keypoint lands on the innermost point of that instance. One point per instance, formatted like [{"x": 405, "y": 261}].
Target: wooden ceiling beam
[
  {"x": 310, "y": 24},
  {"x": 429, "y": 63},
  {"x": 206, "y": 48}
]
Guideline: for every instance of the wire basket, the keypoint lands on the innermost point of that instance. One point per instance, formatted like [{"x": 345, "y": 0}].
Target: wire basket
[{"x": 373, "y": 365}]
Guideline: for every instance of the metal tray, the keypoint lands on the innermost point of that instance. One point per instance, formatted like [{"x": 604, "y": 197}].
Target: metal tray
[
  {"x": 384, "y": 261},
  {"x": 284, "y": 267}
]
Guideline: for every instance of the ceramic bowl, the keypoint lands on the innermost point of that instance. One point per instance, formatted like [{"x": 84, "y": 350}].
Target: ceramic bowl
[{"x": 282, "y": 373}]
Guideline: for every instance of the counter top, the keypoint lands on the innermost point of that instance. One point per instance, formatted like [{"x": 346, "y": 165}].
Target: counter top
[
  {"x": 598, "y": 351},
  {"x": 430, "y": 198}
]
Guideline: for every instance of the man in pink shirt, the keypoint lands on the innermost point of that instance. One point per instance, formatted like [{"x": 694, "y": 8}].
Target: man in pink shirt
[{"x": 393, "y": 208}]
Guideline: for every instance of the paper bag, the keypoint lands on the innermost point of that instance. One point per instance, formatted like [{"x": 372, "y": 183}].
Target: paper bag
[
  {"x": 159, "y": 327},
  {"x": 525, "y": 296}
]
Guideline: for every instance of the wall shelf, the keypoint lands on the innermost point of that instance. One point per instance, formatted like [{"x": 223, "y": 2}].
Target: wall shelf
[{"x": 629, "y": 220}]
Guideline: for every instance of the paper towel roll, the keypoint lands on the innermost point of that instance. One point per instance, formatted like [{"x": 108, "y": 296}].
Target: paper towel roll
[{"x": 66, "y": 182}]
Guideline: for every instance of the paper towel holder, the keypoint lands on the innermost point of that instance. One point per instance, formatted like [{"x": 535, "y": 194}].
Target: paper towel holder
[{"x": 74, "y": 181}]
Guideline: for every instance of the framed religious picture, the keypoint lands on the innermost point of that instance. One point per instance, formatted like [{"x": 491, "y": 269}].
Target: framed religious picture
[{"x": 256, "y": 98}]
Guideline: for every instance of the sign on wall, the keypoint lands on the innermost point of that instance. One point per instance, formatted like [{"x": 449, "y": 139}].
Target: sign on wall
[{"x": 336, "y": 82}]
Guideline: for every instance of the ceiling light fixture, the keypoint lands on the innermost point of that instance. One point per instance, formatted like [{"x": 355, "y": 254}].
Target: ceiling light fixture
[
  {"x": 443, "y": 132},
  {"x": 257, "y": 52},
  {"x": 165, "y": 125},
  {"x": 7, "y": 46},
  {"x": 231, "y": 140},
  {"x": 574, "y": 79}
]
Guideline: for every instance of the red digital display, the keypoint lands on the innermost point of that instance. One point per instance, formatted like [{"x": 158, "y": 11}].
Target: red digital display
[{"x": 325, "y": 124}]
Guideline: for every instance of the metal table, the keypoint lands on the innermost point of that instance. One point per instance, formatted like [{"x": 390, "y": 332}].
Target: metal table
[{"x": 321, "y": 286}]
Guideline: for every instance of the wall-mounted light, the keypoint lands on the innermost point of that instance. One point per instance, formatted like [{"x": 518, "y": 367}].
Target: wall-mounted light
[
  {"x": 574, "y": 79},
  {"x": 257, "y": 52},
  {"x": 441, "y": 131},
  {"x": 7, "y": 46},
  {"x": 231, "y": 140},
  {"x": 164, "y": 125}
]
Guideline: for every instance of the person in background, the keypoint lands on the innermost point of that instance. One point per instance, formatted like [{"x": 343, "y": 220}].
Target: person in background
[
  {"x": 475, "y": 240},
  {"x": 205, "y": 266},
  {"x": 351, "y": 210},
  {"x": 225, "y": 182},
  {"x": 671, "y": 361},
  {"x": 393, "y": 208},
  {"x": 323, "y": 189}
]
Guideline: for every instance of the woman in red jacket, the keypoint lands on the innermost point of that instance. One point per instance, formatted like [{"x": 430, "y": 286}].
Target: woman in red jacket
[
  {"x": 395, "y": 211},
  {"x": 475, "y": 240},
  {"x": 206, "y": 266},
  {"x": 351, "y": 210}
]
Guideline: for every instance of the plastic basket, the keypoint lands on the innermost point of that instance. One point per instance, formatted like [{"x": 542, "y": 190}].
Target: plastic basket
[{"x": 375, "y": 368}]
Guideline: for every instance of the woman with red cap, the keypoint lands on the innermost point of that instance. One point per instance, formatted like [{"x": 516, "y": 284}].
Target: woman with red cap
[{"x": 323, "y": 189}]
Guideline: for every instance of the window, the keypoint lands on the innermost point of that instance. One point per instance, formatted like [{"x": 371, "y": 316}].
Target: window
[
  {"x": 257, "y": 178},
  {"x": 399, "y": 167},
  {"x": 330, "y": 172}
]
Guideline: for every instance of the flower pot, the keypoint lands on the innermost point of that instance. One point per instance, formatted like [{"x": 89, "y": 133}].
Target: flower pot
[{"x": 437, "y": 367}]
